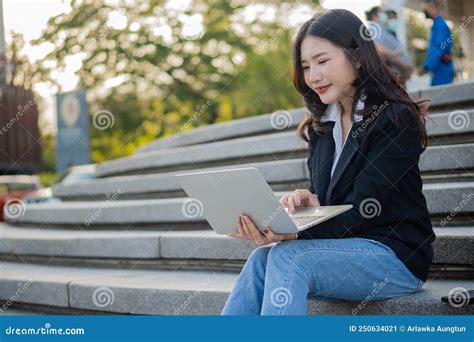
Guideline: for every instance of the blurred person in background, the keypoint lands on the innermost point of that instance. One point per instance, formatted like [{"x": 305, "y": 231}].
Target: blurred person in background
[
  {"x": 392, "y": 21},
  {"x": 438, "y": 59},
  {"x": 390, "y": 48}
]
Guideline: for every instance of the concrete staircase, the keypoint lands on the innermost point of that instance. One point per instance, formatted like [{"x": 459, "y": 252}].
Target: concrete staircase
[{"x": 122, "y": 244}]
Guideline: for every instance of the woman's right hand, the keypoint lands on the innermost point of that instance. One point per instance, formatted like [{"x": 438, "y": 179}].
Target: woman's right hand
[{"x": 300, "y": 198}]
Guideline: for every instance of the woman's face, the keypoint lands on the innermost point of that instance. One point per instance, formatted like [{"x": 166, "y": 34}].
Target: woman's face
[{"x": 327, "y": 71}]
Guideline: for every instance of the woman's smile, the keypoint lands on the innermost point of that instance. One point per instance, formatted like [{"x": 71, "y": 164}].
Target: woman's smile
[{"x": 323, "y": 89}]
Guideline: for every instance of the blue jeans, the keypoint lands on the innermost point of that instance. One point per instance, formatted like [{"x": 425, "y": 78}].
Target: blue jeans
[{"x": 277, "y": 279}]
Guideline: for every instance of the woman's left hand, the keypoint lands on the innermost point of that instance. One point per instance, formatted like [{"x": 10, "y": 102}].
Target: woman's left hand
[{"x": 249, "y": 231}]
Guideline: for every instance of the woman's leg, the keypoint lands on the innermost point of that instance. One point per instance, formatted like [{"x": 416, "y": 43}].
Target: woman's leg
[
  {"x": 246, "y": 297},
  {"x": 351, "y": 269}
]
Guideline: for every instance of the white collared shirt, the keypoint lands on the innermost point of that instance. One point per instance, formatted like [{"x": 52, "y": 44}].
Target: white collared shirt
[{"x": 333, "y": 113}]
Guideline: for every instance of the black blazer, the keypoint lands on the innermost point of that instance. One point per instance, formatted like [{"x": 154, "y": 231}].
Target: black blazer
[{"x": 378, "y": 174}]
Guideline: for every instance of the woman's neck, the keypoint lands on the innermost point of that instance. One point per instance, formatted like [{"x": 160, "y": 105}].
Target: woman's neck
[{"x": 346, "y": 106}]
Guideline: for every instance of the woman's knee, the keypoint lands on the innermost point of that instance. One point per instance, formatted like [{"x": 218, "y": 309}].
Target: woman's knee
[
  {"x": 283, "y": 252},
  {"x": 259, "y": 256}
]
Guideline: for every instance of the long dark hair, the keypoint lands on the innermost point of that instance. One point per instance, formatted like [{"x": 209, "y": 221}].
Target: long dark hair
[{"x": 374, "y": 81}]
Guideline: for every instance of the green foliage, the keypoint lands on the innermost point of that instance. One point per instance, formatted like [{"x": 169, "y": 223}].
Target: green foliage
[
  {"x": 48, "y": 142},
  {"x": 47, "y": 178},
  {"x": 416, "y": 29},
  {"x": 175, "y": 68}
]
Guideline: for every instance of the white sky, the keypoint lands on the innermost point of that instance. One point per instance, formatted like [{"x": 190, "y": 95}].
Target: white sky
[{"x": 30, "y": 18}]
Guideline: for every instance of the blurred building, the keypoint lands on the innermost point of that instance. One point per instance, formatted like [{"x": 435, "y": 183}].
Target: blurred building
[{"x": 20, "y": 150}]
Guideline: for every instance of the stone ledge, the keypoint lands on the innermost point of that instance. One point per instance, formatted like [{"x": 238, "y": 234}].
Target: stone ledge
[
  {"x": 440, "y": 95},
  {"x": 442, "y": 198},
  {"x": 290, "y": 170},
  {"x": 450, "y": 159},
  {"x": 185, "y": 292},
  {"x": 280, "y": 142},
  {"x": 452, "y": 245}
]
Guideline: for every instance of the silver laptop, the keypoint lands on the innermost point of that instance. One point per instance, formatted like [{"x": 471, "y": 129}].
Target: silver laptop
[{"x": 222, "y": 195}]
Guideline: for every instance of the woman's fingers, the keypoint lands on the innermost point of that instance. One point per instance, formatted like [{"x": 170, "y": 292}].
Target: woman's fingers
[
  {"x": 313, "y": 201},
  {"x": 242, "y": 233},
  {"x": 252, "y": 230},
  {"x": 271, "y": 236},
  {"x": 245, "y": 230},
  {"x": 302, "y": 198},
  {"x": 293, "y": 201},
  {"x": 297, "y": 197},
  {"x": 248, "y": 231},
  {"x": 237, "y": 235},
  {"x": 291, "y": 204}
]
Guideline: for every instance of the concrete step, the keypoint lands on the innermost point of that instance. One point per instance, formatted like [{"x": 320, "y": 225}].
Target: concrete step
[
  {"x": 167, "y": 213},
  {"x": 276, "y": 146},
  {"x": 437, "y": 164},
  {"x": 281, "y": 175},
  {"x": 183, "y": 292},
  {"x": 453, "y": 126},
  {"x": 9, "y": 311},
  {"x": 28, "y": 309},
  {"x": 200, "y": 249},
  {"x": 451, "y": 96},
  {"x": 447, "y": 162},
  {"x": 278, "y": 121}
]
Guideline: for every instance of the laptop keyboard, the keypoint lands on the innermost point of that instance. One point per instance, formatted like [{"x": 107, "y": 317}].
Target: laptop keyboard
[{"x": 302, "y": 220}]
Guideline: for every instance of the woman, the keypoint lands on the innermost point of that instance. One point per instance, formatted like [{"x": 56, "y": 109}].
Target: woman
[{"x": 365, "y": 137}]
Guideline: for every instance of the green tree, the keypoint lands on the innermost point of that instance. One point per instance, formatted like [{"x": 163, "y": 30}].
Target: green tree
[{"x": 173, "y": 68}]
